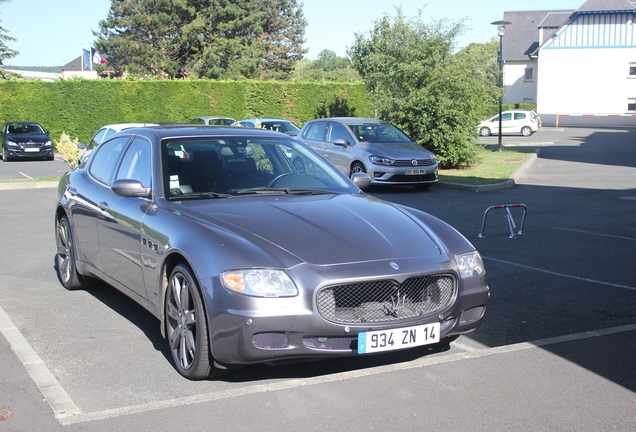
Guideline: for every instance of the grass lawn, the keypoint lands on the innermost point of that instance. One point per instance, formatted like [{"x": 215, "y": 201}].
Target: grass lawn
[{"x": 493, "y": 167}]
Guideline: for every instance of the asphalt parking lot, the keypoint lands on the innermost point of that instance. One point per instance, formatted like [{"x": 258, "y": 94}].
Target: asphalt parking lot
[{"x": 555, "y": 352}]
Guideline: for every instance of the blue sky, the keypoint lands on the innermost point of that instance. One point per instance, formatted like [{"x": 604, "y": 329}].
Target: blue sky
[{"x": 52, "y": 32}]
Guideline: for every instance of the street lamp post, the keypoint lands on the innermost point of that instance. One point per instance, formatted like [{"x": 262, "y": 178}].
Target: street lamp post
[{"x": 501, "y": 25}]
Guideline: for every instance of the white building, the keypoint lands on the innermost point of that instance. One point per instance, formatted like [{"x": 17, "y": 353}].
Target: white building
[{"x": 573, "y": 62}]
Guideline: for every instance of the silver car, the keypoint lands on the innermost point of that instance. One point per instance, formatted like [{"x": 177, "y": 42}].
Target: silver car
[
  {"x": 371, "y": 146},
  {"x": 245, "y": 259}
]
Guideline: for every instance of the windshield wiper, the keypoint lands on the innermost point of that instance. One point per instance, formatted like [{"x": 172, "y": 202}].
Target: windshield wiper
[
  {"x": 264, "y": 191},
  {"x": 287, "y": 191},
  {"x": 200, "y": 195}
]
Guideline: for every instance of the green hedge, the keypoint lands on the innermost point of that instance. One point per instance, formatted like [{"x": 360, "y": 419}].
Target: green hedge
[{"x": 79, "y": 107}]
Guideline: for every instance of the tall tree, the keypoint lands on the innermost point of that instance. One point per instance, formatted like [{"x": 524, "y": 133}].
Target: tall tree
[
  {"x": 223, "y": 39},
  {"x": 5, "y": 52},
  {"x": 282, "y": 38},
  {"x": 419, "y": 84},
  {"x": 142, "y": 37}
]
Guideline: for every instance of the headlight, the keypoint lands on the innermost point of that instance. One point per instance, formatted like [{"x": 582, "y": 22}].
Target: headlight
[
  {"x": 48, "y": 144},
  {"x": 470, "y": 265},
  {"x": 381, "y": 160},
  {"x": 259, "y": 282},
  {"x": 12, "y": 144}
]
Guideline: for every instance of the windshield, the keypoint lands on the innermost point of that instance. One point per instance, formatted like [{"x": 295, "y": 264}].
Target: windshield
[
  {"x": 25, "y": 129},
  {"x": 378, "y": 132},
  {"x": 213, "y": 167}
]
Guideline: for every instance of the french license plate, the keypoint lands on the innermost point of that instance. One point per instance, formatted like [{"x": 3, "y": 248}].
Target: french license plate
[
  {"x": 31, "y": 149},
  {"x": 394, "y": 339},
  {"x": 415, "y": 171}
]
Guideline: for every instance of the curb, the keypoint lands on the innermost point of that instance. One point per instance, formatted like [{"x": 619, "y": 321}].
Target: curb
[
  {"x": 28, "y": 185},
  {"x": 493, "y": 186}
]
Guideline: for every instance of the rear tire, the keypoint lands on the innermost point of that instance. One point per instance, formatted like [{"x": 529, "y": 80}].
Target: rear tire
[
  {"x": 186, "y": 327},
  {"x": 526, "y": 131}
]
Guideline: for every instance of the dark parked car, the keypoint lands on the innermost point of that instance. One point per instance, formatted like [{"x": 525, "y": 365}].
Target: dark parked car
[
  {"x": 271, "y": 123},
  {"x": 213, "y": 120},
  {"x": 25, "y": 140},
  {"x": 372, "y": 146},
  {"x": 245, "y": 259}
]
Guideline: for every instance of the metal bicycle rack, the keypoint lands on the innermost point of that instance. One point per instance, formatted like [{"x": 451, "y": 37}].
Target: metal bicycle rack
[{"x": 511, "y": 221}]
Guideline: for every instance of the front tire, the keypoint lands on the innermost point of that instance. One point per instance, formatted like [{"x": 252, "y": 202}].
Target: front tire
[
  {"x": 484, "y": 132},
  {"x": 65, "y": 257},
  {"x": 187, "y": 328},
  {"x": 358, "y": 167}
]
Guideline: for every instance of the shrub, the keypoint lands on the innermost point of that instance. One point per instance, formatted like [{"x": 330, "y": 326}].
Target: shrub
[{"x": 68, "y": 149}]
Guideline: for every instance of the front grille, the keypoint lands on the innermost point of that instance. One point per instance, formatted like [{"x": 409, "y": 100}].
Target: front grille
[
  {"x": 409, "y": 162},
  {"x": 412, "y": 178},
  {"x": 387, "y": 300}
]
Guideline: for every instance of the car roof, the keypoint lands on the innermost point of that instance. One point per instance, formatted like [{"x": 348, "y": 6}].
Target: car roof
[
  {"x": 262, "y": 119},
  {"x": 22, "y": 123},
  {"x": 162, "y": 132},
  {"x": 121, "y": 126},
  {"x": 353, "y": 119},
  {"x": 213, "y": 117}
]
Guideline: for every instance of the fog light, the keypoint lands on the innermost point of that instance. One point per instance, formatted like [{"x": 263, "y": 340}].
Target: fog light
[{"x": 471, "y": 315}]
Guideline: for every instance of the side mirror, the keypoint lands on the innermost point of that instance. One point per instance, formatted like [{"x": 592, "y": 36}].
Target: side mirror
[
  {"x": 362, "y": 180},
  {"x": 130, "y": 188},
  {"x": 340, "y": 142}
]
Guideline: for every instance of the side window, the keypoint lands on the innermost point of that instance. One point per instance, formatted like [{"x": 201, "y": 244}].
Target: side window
[
  {"x": 316, "y": 131},
  {"x": 506, "y": 116},
  {"x": 336, "y": 130},
  {"x": 519, "y": 116},
  {"x": 99, "y": 137},
  {"x": 105, "y": 161},
  {"x": 136, "y": 162}
]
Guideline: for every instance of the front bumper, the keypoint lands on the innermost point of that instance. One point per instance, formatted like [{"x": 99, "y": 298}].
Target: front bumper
[
  {"x": 18, "y": 153},
  {"x": 257, "y": 330},
  {"x": 388, "y": 175}
]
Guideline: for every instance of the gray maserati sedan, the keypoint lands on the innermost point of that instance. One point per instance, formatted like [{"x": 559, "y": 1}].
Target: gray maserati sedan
[{"x": 249, "y": 247}]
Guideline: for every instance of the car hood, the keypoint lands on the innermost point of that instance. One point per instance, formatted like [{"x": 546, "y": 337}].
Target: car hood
[
  {"x": 24, "y": 138},
  {"x": 320, "y": 230},
  {"x": 398, "y": 150}
]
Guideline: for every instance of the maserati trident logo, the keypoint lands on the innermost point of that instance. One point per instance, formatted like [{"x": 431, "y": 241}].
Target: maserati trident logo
[
  {"x": 398, "y": 303},
  {"x": 394, "y": 265},
  {"x": 414, "y": 162}
]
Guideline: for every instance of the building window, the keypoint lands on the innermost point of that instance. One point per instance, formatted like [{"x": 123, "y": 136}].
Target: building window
[
  {"x": 528, "y": 75},
  {"x": 632, "y": 70},
  {"x": 631, "y": 104},
  {"x": 528, "y": 100}
]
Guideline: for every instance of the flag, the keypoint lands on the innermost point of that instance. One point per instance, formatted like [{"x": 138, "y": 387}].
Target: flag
[
  {"x": 86, "y": 59},
  {"x": 97, "y": 58}
]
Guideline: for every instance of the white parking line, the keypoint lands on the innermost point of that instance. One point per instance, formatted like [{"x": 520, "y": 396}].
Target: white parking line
[
  {"x": 23, "y": 174},
  {"x": 66, "y": 412},
  {"x": 598, "y": 234},
  {"x": 562, "y": 274},
  {"x": 53, "y": 392}
]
